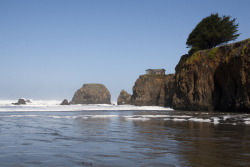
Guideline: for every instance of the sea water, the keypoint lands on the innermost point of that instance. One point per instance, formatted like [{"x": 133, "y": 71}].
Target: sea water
[{"x": 43, "y": 133}]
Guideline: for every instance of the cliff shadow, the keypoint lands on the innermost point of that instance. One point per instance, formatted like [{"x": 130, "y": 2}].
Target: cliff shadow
[{"x": 227, "y": 80}]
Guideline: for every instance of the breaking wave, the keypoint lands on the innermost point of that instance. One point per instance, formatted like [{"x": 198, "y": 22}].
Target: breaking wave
[{"x": 54, "y": 105}]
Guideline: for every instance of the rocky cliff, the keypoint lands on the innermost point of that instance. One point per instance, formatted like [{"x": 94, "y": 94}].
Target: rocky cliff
[
  {"x": 214, "y": 79},
  {"x": 92, "y": 94},
  {"x": 153, "y": 90},
  {"x": 124, "y": 98}
]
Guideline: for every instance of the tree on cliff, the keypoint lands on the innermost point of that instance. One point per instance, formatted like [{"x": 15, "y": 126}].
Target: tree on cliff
[{"x": 212, "y": 31}]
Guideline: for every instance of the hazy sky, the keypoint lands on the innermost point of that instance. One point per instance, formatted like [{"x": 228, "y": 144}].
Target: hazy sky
[{"x": 50, "y": 48}]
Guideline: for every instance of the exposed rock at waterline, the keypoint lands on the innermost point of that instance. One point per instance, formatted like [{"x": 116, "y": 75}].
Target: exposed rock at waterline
[
  {"x": 65, "y": 102},
  {"x": 20, "y": 102},
  {"x": 124, "y": 98}
]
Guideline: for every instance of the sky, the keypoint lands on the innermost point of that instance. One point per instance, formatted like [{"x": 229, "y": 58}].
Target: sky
[{"x": 50, "y": 48}]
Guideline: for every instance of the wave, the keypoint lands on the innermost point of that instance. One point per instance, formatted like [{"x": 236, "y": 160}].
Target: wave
[
  {"x": 164, "y": 117},
  {"x": 54, "y": 105},
  {"x": 33, "y": 102}
]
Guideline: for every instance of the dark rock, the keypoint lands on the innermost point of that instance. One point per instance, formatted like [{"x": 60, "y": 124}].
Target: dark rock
[
  {"x": 153, "y": 90},
  {"x": 20, "y": 102},
  {"x": 92, "y": 94},
  {"x": 124, "y": 98},
  {"x": 214, "y": 79},
  {"x": 169, "y": 90},
  {"x": 65, "y": 102}
]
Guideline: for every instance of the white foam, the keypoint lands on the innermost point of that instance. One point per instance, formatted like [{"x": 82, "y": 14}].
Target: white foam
[
  {"x": 153, "y": 116},
  {"x": 138, "y": 119},
  {"x": 165, "y": 117},
  {"x": 7, "y": 102},
  {"x": 60, "y": 117},
  {"x": 178, "y": 119},
  {"x": 247, "y": 122},
  {"x": 199, "y": 120},
  {"x": 104, "y": 116},
  {"x": 229, "y": 116},
  {"x": 54, "y": 105},
  {"x": 33, "y": 102},
  {"x": 19, "y": 116},
  {"x": 181, "y": 116},
  {"x": 159, "y": 116},
  {"x": 216, "y": 120}
]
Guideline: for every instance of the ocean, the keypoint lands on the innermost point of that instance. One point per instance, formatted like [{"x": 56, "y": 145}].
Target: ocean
[{"x": 43, "y": 133}]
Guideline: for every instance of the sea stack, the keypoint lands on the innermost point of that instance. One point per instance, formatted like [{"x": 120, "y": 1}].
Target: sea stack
[
  {"x": 92, "y": 94},
  {"x": 20, "y": 102},
  {"x": 153, "y": 89},
  {"x": 65, "y": 102},
  {"x": 124, "y": 98}
]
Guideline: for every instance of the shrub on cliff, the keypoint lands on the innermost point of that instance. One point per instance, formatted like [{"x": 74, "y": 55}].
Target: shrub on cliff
[{"x": 212, "y": 31}]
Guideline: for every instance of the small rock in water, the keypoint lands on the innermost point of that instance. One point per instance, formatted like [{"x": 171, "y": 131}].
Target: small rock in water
[
  {"x": 65, "y": 102},
  {"x": 124, "y": 98},
  {"x": 28, "y": 101},
  {"x": 20, "y": 102}
]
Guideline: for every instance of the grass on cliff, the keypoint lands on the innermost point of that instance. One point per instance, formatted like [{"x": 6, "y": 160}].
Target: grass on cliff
[
  {"x": 196, "y": 57},
  {"x": 245, "y": 48},
  {"x": 212, "y": 53},
  {"x": 149, "y": 76},
  {"x": 230, "y": 50}
]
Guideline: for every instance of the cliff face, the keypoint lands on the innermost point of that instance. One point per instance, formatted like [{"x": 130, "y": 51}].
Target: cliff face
[
  {"x": 92, "y": 94},
  {"x": 214, "y": 79},
  {"x": 153, "y": 90}
]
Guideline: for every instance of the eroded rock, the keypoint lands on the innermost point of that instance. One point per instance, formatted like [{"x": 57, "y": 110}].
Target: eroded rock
[
  {"x": 92, "y": 94},
  {"x": 124, "y": 98},
  {"x": 153, "y": 90}
]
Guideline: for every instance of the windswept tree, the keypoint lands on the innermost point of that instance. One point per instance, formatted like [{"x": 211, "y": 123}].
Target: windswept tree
[{"x": 212, "y": 31}]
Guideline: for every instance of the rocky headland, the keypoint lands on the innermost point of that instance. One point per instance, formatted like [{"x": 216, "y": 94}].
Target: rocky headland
[
  {"x": 92, "y": 94},
  {"x": 214, "y": 79},
  {"x": 208, "y": 80}
]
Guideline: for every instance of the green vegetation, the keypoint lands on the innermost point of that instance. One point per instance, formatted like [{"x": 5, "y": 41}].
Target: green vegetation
[
  {"x": 245, "y": 47},
  {"x": 243, "y": 50},
  {"x": 212, "y": 31},
  {"x": 196, "y": 57},
  {"x": 149, "y": 76},
  {"x": 212, "y": 52}
]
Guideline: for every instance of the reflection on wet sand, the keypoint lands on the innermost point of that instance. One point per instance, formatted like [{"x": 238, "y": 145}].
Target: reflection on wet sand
[{"x": 199, "y": 143}]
